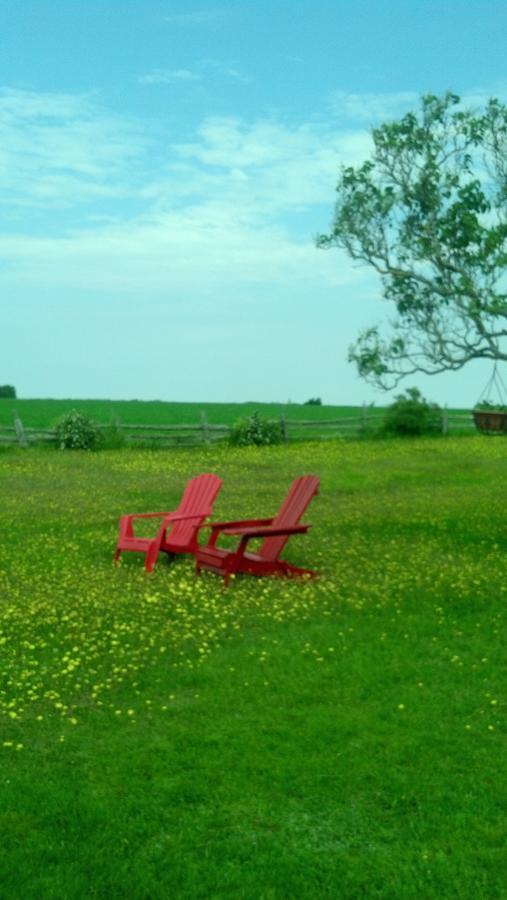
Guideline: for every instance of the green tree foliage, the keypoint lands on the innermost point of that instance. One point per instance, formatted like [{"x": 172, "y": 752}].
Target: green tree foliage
[
  {"x": 428, "y": 211},
  {"x": 411, "y": 414},
  {"x": 7, "y": 391}
]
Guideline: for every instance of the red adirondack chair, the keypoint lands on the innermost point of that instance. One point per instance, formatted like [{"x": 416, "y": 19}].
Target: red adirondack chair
[
  {"x": 178, "y": 530},
  {"x": 275, "y": 531}
]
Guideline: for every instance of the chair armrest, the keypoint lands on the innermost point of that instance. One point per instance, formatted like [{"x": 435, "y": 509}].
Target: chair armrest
[
  {"x": 169, "y": 516},
  {"x": 268, "y": 531},
  {"x": 153, "y": 515},
  {"x": 220, "y": 526},
  {"x": 127, "y": 522}
]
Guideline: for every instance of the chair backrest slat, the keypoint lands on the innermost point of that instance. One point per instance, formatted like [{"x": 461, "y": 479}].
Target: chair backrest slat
[
  {"x": 300, "y": 493},
  {"x": 197, "y": 500}
]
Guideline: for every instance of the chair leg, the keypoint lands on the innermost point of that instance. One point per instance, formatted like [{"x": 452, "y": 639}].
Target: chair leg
[
  {"x": 295, "y": 571},
  {"x": 228, "y": 573},
  {"x": 117, "y": 556},
  {"x": 151, "y": 556}
]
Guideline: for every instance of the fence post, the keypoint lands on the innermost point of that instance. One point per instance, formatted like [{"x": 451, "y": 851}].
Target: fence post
[
  {"x": 445, "y": 420},
  {"x": 205, "y": 429},
  {"x": 364, "y": 417},
  {"x": 283, "y": 428},
  {"x": 20, "y": 431}
]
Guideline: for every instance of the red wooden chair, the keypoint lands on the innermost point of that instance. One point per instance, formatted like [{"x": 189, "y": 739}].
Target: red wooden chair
[
  {"x": 178, "y": 530},
  {"x": 276, "y": 533}
]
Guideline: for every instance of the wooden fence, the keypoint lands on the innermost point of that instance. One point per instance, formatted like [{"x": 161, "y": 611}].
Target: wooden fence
[{"x": 203, "y": 432}]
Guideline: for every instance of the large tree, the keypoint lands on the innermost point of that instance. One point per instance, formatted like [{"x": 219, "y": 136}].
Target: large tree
[{"x": 428, "y": 210}]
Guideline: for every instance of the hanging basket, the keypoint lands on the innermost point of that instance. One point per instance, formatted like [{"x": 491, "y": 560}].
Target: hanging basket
[
  {"x": 490, "y": 421},
  {"x": 490, "y": 416}
]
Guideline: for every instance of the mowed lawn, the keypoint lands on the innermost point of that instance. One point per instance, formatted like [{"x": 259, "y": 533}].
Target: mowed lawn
[{"x": 162, "y": 737}]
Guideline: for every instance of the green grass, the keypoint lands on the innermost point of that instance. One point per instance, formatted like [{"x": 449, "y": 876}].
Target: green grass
[
  {"x": 343, "y": 738},
  {"x": 44, "y": 413}
]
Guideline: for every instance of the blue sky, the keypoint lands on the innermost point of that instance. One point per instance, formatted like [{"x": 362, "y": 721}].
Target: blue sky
[{"x": 165, "y": 168}]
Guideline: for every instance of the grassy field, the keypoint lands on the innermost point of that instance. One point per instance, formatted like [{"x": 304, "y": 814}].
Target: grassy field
[
  {"x": 343, "y": 738},
  {"x": 44, "y": 413}
]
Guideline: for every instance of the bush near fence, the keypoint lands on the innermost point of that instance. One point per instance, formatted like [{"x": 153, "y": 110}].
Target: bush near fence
[{"x": 365, "y": 422}]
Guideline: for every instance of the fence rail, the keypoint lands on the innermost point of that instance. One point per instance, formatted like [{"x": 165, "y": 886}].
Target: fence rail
[{"x": 203, "y": 432}]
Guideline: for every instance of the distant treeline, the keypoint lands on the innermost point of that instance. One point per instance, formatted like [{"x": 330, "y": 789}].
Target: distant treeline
[{"x": 7, "y": 390}]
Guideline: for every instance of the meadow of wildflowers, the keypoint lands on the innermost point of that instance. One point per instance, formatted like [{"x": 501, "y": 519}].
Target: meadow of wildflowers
[{"x": 343, "y": 737}]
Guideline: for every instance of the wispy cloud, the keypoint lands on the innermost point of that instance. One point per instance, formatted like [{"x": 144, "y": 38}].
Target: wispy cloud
[
  {"x": 237, "y": 205},
  {"x": 228, "y": 70},
  {"x": 126, "y": 239},
  {"x": 371, "y": 108},
  {"x": 168, "y": 76},
  {"x": 274, "y": 168},
  {"x": 196, "y": 18},
  {"x": 58, "y": 150},
  {"x": 206, "y": 69}
]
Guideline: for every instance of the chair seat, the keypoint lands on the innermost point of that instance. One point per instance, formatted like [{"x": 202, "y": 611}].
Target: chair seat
[
  {"x": 135, "y": 544},
  {"x": 216, "y": 558},
  {"x": 143, "y": 544}
]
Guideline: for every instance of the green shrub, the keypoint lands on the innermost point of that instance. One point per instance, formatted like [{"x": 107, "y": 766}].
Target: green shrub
[
  {"x": 411, "y": 414},
  {"x": 313, "y": 401},
  {"x": 112, "y": 437},
  {"x": 254, "y": 430},
  {"x": 74, "y": 431}
]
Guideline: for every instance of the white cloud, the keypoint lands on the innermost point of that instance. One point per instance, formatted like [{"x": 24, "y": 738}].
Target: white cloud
[
  {"x": 195, "y": 19},
  {"x": 237, "y": 206},
  {"x": 168, "y": 76},
  {"x": 229, "y": 70},
  {"x": 272, "y": 168},
  {"x": 18, "y": 104},
  {"x": 210, "y": 69},
  {"x": 59, "y": 150},
  {"x": 203, "y": 251},
  {"x": 372, "y": 108}
]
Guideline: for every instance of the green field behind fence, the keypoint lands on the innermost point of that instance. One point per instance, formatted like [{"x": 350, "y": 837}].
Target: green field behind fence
[
  {"x": 44, "y": 413},
  {"x": 343, "y": 738},
  {"x": 334, "y": 420}
]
